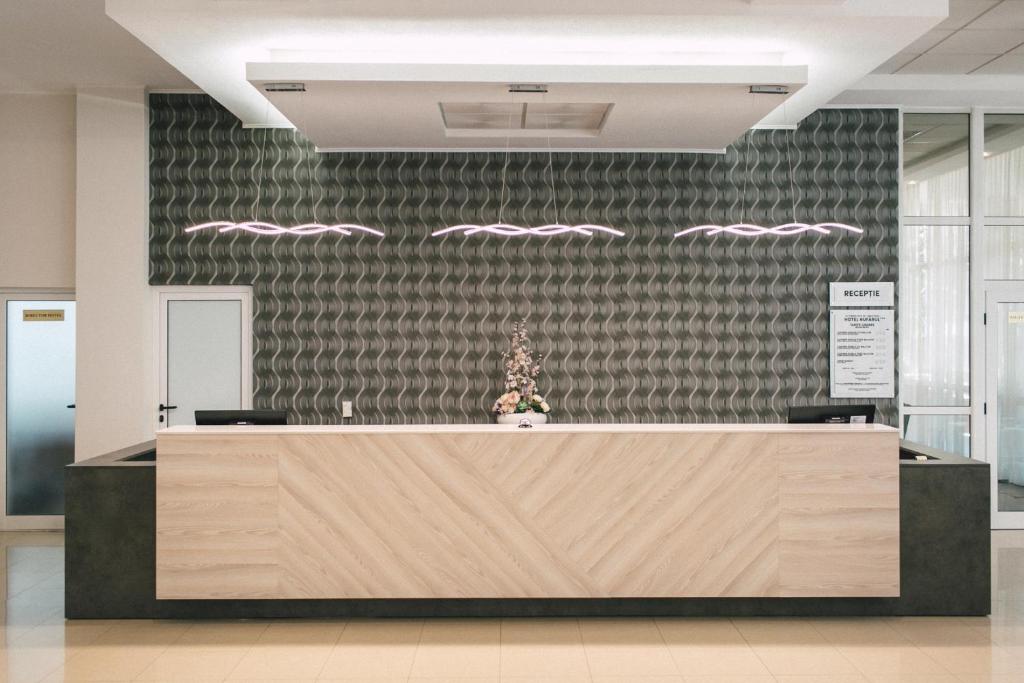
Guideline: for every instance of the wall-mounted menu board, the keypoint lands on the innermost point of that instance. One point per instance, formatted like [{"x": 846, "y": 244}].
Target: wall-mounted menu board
[{"x": 862, "y": 349}]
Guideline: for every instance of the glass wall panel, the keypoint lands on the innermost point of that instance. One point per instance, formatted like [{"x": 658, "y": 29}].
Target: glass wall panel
[
  {"x": 1004, "y": 252},
  {"x": 1009, "y": 446},
  {"x": 1004, "y": 165},
  {"x": 936, "y": 158},
  {"x": 40, "y": 368},
  {"x": 950, "y": 433},
  {"x": 934, "y": 315}
]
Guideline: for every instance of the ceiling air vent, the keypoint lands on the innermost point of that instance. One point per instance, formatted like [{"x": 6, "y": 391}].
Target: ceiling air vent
[
  {"x": 524, "y": 119},
  {"x": 284, "y": 87}
]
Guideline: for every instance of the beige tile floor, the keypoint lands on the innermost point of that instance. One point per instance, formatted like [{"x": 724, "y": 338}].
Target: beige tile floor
[{"x": 40, "y": 646}]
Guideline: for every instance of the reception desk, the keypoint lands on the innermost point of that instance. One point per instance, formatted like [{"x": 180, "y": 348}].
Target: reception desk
[{"x": 553, "y": 512}]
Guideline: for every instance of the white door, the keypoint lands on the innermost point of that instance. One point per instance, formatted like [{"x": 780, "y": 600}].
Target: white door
[
  {"x": 37, "y": 406},
  {"x": 205, "y": 352},
  {"x": 1004, "y": 402}
]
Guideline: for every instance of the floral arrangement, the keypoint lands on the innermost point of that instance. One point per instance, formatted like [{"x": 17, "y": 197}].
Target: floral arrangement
[{"x": 521, "y": 370}]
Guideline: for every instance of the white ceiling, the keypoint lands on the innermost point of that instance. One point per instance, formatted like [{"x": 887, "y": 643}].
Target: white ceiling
[
  {"x": 854, "y": 52},
  {"x": 61, "y": 45},
  {"x": 979, "y": 37},
  {"x": 838, "y": 42},
  {"x": 973, "y": 58}
]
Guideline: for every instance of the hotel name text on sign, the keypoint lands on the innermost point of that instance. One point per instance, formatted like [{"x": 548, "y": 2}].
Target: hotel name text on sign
[{"x": 861, "y": 294}]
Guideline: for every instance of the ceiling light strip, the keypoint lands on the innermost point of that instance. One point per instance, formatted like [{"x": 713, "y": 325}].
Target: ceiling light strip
[
  {"x": 509, "y": 230},
  {"x": 262, "y": 228},
  {"x": 786, "y": 229}
]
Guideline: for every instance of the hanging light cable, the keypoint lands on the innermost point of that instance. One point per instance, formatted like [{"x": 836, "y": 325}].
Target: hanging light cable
[
  {"x": 744, "y": 229},
  {"x": 258, "y": 227},
  {"x": 510, "y": 230}
]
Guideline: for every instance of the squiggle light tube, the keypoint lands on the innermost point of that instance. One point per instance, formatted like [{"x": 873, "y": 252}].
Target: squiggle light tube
[
  {"x": 262, "y": 228},
  {"x": 518, "y": 230},
  {"x": 751, "y": 230}
]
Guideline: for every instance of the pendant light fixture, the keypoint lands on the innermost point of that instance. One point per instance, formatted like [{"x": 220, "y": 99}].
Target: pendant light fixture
[
  {"x": 258, "y": 227},
  {"x": 745, "y": 229},
  {"x": 500, "y": 227}
]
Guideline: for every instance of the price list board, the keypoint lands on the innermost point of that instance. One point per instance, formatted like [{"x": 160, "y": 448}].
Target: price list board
[{"x": 862, "y": 353}]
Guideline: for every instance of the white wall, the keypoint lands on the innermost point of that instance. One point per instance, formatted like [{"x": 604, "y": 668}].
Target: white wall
[
  {"x": 37, "y": 190},
  {"x": 116, "y": 389}
]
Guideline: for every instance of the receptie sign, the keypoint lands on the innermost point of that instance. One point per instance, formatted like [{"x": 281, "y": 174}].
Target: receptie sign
[{"x": 861, "y": 294}]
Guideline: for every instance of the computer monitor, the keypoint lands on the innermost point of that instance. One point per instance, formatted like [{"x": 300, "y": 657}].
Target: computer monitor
[
  {"x": 241, "y": 417},
  {"x": 832, "y": 414}
]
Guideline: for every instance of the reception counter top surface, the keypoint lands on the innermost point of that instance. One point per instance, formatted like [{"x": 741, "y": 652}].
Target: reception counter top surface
[{"x": 567, "y": 428}]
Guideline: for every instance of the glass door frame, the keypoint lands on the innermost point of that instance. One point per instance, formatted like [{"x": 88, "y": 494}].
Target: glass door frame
[
  {"x": 995, "y": 294},
  {"x": 21, "y": 522},
  {"x": 165, "y": 295}
]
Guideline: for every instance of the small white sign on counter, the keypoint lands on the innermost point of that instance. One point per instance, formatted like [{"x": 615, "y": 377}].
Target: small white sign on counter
[
  {"x": 861, "y": 294},
  {"x": 862, "y": 346}
]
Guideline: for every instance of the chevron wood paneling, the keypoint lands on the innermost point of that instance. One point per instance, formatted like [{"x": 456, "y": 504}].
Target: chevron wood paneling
[{"x": 336, "y": 514}]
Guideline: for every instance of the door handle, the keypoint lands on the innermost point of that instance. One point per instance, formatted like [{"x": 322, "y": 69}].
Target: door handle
[
  {"x": 71, "y": 405},
  {"x": 163, "y": 407}
]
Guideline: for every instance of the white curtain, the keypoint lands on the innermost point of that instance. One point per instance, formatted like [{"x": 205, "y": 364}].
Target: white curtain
[
  {"x": 1004, "y": 198},
  {"x": 934, "y": 309},
  {"x": 944, "y": 194},
  {"x": 1004, "y": 183}
]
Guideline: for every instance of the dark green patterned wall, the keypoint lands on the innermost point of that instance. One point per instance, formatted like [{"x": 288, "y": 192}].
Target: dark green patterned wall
[{"x": 644, "y": 328}]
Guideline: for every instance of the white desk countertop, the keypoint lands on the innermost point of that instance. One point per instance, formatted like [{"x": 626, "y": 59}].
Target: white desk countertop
[{"x": 568, "y": 428}]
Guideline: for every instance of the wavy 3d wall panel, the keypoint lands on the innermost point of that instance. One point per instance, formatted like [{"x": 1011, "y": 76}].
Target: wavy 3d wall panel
[{"x": 639, "y": 328}]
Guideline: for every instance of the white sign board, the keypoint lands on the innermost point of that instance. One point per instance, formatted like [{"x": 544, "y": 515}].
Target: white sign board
[
  {"x": 861, "y": 294},
  {"x": 862, "y": 345}
]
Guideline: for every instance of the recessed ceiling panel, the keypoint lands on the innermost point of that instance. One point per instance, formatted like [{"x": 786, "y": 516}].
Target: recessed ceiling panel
[
  {"x": 697, "y": 109},
  {"x": 523, "y": 119}
]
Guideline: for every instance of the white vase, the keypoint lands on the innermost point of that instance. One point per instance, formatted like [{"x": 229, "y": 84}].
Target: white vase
[{"x": 514, "y": 418}]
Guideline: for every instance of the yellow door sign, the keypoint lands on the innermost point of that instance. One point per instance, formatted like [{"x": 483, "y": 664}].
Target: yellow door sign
[{"x": 42, "y": 315}]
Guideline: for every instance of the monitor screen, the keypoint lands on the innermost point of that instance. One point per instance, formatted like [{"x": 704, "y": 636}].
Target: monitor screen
[
  {"x": 241, "y": 417},
  {"x": 853, "y": 414}
]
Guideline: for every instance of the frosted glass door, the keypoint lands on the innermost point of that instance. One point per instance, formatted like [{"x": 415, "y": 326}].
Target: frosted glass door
[
  {"x": 40, "y": 394},
  {"x": 1009, "y": 408},
  {"x": 204, "y": 358}
]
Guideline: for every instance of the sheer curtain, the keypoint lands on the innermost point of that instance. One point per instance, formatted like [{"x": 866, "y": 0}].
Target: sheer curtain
[
  {"x": 1004, "y": 175},
  {"x": 935, "y": 281},
  {"x": 944, "y": 194},
  {"x": 934, "y": 310},
  {"x": 1004, "y": 244}
]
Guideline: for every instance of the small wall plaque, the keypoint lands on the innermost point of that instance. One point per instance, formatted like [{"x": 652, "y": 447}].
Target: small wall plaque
[
  {"x": 861, "y": 294},
  {"x": 42, "y": 315}
]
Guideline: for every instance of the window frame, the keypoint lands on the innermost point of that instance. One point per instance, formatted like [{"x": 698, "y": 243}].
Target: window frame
[
  {"x": 978, "y": 283},
  {"x": 969, "y": 220}
]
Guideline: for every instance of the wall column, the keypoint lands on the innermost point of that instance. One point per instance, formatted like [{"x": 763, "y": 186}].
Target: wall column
[{"x": 115, "y": 385}]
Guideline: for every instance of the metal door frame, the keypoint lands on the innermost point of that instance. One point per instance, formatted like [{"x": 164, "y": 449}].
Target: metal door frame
[{"x": 996, "y": 293}]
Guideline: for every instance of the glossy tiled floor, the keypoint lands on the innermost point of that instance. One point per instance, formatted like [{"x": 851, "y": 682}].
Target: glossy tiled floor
[{"x": 40, "y": 646}]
